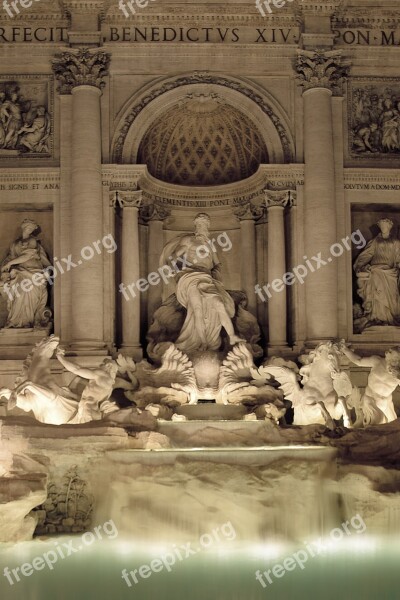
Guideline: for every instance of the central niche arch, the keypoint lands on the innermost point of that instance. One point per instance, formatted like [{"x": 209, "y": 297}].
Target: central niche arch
[
  {"x": 165, "y": 126},
  {"x": 202, "y": 141}
]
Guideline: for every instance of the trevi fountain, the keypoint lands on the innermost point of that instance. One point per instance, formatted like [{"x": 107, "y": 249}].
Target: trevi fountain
[{"x": 199, "y": 299}]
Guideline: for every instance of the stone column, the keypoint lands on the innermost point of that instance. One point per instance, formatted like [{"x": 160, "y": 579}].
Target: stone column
[
  {"x": 275, "y": 203},
  {"x": 130, "y": 203},
  {"x": 80, "y": 73},
  {"x": 320, "y": 73},
  {"x": 247, "y": 214},
  {"x": 154, "y": 215}
]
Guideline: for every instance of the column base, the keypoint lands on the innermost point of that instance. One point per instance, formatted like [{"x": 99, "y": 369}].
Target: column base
[
  {"x": 87, "y": 348},
  {"x": 278, "y": 349},
  {"x": 312, "y": 343},
  {"x": 135, "y": 351}
]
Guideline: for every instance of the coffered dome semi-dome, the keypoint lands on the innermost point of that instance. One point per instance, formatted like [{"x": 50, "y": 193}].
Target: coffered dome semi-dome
[{"x": 202, "y": 141}]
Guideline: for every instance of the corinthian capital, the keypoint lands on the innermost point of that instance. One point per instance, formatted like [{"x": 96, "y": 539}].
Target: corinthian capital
[
  {"x": 281, "y": 198},
  {"x": 126, "y": 199},
  {"x": 321, "y": 69},
  {"x": 154, "y": 212},
  {"x": 248, "y": 212},
  {"x": 81, "y": 67}
]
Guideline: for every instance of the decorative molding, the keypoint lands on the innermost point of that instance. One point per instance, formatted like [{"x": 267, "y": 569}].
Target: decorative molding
[
  {"x": 321, "y": 69},
  {"x": 202, "y": 78},
  {"x": 81, "y": 67},
  {"x": 175, "y": 15},
  {"x": 366, "y": 18},
  {"x": 98, "y": 7},
  {"x": 381, "y": 174},
  {"x": 275, "y": 177},
  {"x": 320, "y": 8}
]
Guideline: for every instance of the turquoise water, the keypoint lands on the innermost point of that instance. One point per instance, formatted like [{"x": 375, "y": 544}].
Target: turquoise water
[{"x": 363, "y": 569}]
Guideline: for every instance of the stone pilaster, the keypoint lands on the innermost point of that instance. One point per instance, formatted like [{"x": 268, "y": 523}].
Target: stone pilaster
[
  {"x": 320, "y": 74},
  {"x": 154, "y": 215},
  {"x": 130, "y": 203},
  {"x": 275, "y": 203},
  {"x": 81, "y": 74},
  {"x": 247, "y": 214}
]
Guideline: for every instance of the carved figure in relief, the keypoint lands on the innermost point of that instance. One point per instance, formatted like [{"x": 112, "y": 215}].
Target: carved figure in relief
[
  {"x": 376, "y": 120},
  {"x": 24, "y": 126},
  {"x": 34, "y": 137}
]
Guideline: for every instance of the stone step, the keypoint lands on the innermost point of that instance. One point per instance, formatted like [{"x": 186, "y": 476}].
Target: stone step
[
  {"x": 234, "y": 434},
  {"x": 249, "y": 456},
  {"x": 205, "y": 411}
]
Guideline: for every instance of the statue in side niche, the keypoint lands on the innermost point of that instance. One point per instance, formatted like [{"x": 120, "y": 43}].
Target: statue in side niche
[
  {"x": 378, "y": 270},
  {"x": 23, "y": 282}
]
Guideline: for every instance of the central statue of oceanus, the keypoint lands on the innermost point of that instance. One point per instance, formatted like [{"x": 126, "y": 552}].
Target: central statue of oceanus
[
  {"x": 205, "y": 327},
  {"x": 200, "y": 291}
]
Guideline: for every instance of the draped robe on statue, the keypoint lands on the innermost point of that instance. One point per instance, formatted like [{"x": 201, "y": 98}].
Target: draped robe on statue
[
  {"x": 200, "y": 292},
  {"x": 378, "y": 285},
  {"x": 26, "y": 309}
]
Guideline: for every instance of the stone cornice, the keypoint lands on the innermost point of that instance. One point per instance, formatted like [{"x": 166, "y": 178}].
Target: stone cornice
[
  {"x": 190, "y": 18},
  {"x": 366, "y": 175},
  {"x": 367, "y": 18},
  {"x": 281, "y": 177},
  {"x": 60, "y": 18},
  {"x": 85, "y": 6},
  {"x": 14, "y": 175},
  {"x": 317, "y": 8}
]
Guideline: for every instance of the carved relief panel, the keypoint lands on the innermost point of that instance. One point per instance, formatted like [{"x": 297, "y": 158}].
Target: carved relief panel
[
  {"x": 26, "y": 116},
  {"x": 374, "y": 118}
]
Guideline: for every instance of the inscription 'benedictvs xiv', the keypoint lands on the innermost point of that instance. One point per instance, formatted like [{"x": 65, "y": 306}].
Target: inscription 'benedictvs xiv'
[{"x": 199, "y": 35}]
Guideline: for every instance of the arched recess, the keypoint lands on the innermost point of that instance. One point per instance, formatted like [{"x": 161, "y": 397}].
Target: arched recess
[{"x": 148, "y": 105}]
